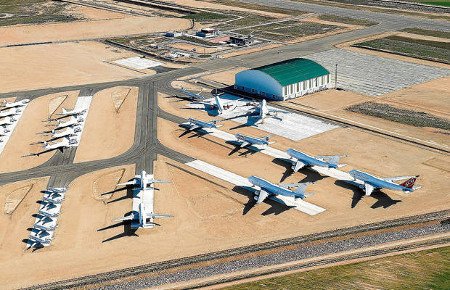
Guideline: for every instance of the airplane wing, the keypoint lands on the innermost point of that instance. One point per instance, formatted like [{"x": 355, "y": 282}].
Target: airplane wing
[
  {"x": 127, "y": 218},
  {"x": 298, "y": 165},
  {"x": 126, "y": 183},
  {"x": 156, "y": 215},
  {"x": 262, "y": 196},
  {"x": 244, "y": 144},
  {"x": 397, "y": 178},
  {"x": 193, "y": 127},
  {"x": 330, "y": 159},
  {"x": 368, "y": 188}
]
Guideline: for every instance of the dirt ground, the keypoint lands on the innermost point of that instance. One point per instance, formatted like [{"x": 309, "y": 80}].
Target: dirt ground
[
  {"x": 49, "y": 65},
  {"x": 225, "y": 77},
  {"x": 432, "y": 97},
  {"x": 110, "y": 125},
  {"x": 32, "y": 122},
  {"x": 89, "y": 13},
  {"x": 84, "y": 30}
]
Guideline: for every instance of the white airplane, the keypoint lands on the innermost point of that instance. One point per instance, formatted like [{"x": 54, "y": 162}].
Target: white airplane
[
  {"x": 191, "y": 96},
  {"x": 71, "y": 122},
  {"x": 68, "y": 132},
  {"x": 264, "y": 112},
  {"x": 7, "y": 121},
  {"x": 10, "y": 112},
  {"x": 75, "y": 113},
  {"x": 49, "y": 209},
  {"x": 300, "y": 160},
  {"x": 20, "y": 103},
  {"x": 220, "y": 105},
  {"x": 245, "y": 141},
  {"x": 54, "y": 195},
  {"x": 194, "y": 124},
  {"x": 267, "y": 189},
  {"x": 369, "y": 183},
  {"x": 45, "y": 223},
  {"x": 143, "y": 196},
  {"x": 64, "y": 144}
]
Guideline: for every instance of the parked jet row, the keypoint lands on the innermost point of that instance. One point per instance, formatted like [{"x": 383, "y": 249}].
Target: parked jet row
[
  {"x": 20, "y": 103},
  {"x": 365, "y": 181},
  {"x": 10, "y": 114},
  {"x": 142, "y": 215},
  {"x": 41, "y": 235}
]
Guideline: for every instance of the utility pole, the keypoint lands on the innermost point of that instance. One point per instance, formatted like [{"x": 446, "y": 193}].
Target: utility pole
[{"x": 335, "y": 77}]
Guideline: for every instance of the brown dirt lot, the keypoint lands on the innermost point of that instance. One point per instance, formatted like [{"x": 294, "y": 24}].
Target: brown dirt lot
[
  {"x": 55, "y": 65},
  {"x": 225, "y": 77},
  {"x": 33, "y": 122},
  {"x": 110, "y": 125},
  {"x": 84, "y": 30}
]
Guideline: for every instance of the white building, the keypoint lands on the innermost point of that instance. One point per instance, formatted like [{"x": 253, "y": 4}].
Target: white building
[{"x": 284, "y": 80}]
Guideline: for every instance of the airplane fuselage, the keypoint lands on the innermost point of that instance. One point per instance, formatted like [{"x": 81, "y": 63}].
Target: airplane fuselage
[
  {"x": 202, "y": 124},
  {"x": 309, "y": 160},
  {"x": 273, "y": 189},
  {"x": 377, "y": 182},
  {"x": 252, "y": 140}
]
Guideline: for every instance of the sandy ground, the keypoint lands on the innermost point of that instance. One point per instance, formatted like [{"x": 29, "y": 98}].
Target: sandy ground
[
  {"x": 432, "y": 97},
  {"x": 348, "y": 46},
  {"x": 250, "y": 50},
  {"x": 212, "y": 5},
  {"x": 89, "y": 13},
  {"x": 33, "y": 122},
  {"x": 83, "y": 30},
  {"x": 54, "y": 65},
  {"x": 110, "y": 125},
  {"x": 225, "y": 77}
]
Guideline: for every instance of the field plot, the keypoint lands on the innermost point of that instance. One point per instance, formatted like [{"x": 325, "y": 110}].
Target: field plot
[
  {"x": 367, "y": 74},
  {"x": 423, "y": 49}
]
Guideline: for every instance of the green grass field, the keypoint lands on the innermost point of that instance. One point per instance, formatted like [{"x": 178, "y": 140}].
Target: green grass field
[
  {"x": 346, "y": 20},
  {"x": 435, "y": 33},
  {"x": 437, "y": 2},
  {"x": 421, "y": 270},
  {"x": 423, "y": 49}
]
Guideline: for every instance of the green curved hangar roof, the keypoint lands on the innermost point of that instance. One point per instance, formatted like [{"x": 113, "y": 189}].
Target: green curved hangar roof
[{"x": 294, "y": 70}]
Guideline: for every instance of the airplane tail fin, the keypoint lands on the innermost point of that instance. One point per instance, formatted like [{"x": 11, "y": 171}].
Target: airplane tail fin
[
  {"x": 409, "y": 184},
  {"x": 64, "y": 111},
  {"x": 262, "y": 196},
  {"x": 219, "y": 104}
]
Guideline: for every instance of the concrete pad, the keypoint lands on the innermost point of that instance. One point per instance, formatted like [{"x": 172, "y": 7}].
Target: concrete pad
[{"x": 137, "y": 62}]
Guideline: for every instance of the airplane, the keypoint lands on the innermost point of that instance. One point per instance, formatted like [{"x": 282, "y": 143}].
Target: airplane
[
  {"x": 20, "y": 103},
  {"x": 194, "y": 124},
  {"x": 7, "y": 122},
  {"x": 300, "y": 160},
  {"x": 263, "y": 111},
  {"x": 266, "y": 189},
  {"x": 369, "y": 183},
  {"x": 68, "y": 132},
  {"x": 143, "y": 195},
  {"x": 64, "y": 144},
  {"x": 45, "y": 223},
  {"x": 191, "y": 96},
  {"x": 74, "y": 112},
  {"x": 249, "y": 140},
  {"x": 10, "y": 112},
  {"x": 71, "y": 122},
  {"x": 54, "y": 195},
  {"x": 220, "y": 105},
  {"x": 49, "y": 209}
]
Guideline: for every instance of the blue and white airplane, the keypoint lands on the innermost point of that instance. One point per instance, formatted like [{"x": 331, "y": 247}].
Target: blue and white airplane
[
  {"x": 191, "y": 96},
  {"x": 369, "y": 183},
  {"x": 266, "y": 189},
  {"x": 194, "y": 124},
  {"x": 245, "y": 141},
  {"x": 300, "y": 160}
]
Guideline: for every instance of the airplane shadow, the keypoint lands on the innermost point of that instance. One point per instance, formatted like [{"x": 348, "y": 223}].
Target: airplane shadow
[
  {"x": 129, "y": 194},
  {"x": 310, "y": 175},
  {"x": 127, "y": 230},
  {"x": 382, "y": 199},
  {"x": 245, "y": 150},
  {"x": 275, "y": 207}
]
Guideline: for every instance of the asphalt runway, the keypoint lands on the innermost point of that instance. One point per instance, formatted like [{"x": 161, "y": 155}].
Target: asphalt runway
[{"x": 146, "y": 146}]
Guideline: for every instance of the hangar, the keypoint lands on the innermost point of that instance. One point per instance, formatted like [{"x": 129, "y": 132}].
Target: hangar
[{"x": 284, "y": 80}]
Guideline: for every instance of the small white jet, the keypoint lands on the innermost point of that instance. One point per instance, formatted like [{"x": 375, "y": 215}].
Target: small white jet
[
  {"x": 11, "y": 112},
  {"x": 300, "y": 160},
  {"x": 244, "y": 140},
  {"x": 64, "y": 144},
  {"x": 194, "y": 124},
  {"x": 265, "y": 189},
  {"x": 49, "y": 209},
  {"x": 143, "y": 197},
  {"x": 263, "y": 112},
  {"x": 71, "y": 122},
  {"x": 73, "y": 113},
  {"x": 45, "y": 223},
  {"x": 20, "y": 103},
  {"x": 54, "y": 195},
  {"x": 220, "y": 105},
  {"x": 68, "y": 132},
  {"x": 7, "y": 121},
  {"x": 369, "y": 183}
]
